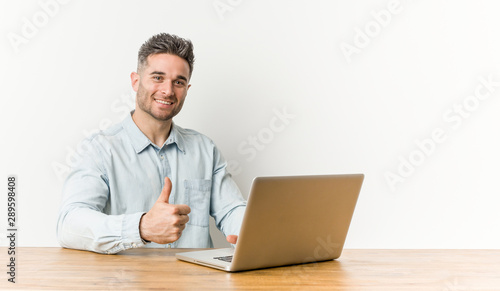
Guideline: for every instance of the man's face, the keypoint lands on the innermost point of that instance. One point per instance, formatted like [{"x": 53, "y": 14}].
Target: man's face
[{"x": 161, "y": 86}]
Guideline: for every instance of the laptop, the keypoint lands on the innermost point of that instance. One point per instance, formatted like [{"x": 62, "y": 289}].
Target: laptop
[{"x": 288, "y": 220}]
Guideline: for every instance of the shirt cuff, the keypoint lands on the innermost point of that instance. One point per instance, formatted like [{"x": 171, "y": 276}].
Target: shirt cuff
[{"x": 131, "y": 236}]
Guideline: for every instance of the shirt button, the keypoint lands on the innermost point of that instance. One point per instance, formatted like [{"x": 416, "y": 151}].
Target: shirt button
[
  {"x": 161, "y": 157},
  {"x": 134, "y": 245}
]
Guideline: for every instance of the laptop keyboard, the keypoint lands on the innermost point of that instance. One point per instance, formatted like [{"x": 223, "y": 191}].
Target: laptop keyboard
[{"x": 225, "y": 258}]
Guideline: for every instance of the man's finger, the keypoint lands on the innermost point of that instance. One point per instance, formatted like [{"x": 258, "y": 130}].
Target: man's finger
[
  {"x": 183, "y": 219},
  {"x": 165, "y": 192},
  {"x": 183, "y": 209},
  {"x": 232, "y": 239}
]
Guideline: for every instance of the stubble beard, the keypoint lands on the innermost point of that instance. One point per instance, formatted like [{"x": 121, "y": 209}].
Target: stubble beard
[{"x": 147, "y": 107}]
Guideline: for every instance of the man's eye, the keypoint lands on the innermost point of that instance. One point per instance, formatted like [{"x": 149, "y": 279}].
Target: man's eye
[
  {"x": 157, "y": 78},
  {"x": 180, "y": 83}
]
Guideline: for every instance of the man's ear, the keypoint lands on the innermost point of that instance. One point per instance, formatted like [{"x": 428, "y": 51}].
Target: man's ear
[{"x": 135, "y": 79}]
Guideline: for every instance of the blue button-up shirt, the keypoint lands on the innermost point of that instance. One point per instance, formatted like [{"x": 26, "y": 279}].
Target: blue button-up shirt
[{"x": 120, "y": 176}]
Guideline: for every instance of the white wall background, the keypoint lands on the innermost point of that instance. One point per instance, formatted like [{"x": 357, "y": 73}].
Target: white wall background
[{"x": 413, "y": 72}]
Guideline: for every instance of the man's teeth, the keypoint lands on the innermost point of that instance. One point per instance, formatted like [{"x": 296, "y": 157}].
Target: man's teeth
[{"x": 164, "y": 102}]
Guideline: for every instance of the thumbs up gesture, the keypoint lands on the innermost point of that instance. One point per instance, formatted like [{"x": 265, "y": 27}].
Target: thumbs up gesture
[{"x": 164, "y": 222}]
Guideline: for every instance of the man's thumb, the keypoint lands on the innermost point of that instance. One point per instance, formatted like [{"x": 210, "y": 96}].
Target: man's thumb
[{"x": 165, "y": 192}]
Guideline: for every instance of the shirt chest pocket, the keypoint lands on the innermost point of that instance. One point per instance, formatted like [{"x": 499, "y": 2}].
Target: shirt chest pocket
[{"x": 197, "y": 193}]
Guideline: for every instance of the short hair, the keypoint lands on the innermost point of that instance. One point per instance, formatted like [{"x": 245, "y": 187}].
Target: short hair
[{"x": 167, "y": 44}]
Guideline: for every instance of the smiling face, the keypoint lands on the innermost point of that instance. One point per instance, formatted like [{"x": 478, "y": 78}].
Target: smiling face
[{"x": 161, "y": 86}]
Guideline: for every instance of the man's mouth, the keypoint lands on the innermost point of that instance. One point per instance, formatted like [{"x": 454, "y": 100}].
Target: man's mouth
[{"x": 164, "y": 102}]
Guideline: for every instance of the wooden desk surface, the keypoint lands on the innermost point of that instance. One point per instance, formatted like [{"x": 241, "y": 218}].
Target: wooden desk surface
[{"x": 143, "y": 269}]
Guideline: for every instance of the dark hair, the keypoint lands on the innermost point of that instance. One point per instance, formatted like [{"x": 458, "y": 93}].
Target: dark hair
[{"x": 167, "y": 44}]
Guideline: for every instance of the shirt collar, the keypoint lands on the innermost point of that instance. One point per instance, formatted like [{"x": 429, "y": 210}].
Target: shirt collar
[
  {"x": 176, "y": 138},
  {"x": 140, "y": 141}
]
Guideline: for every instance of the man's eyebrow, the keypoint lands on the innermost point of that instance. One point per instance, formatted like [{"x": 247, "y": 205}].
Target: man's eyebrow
[{"x": 182, "y": 77}]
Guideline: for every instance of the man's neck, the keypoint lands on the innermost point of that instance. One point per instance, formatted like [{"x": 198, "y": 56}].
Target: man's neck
[{"x": 157, "y": 131}]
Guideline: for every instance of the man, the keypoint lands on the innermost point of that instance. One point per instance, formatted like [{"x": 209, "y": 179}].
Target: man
[{"x": 147, "y": 181}]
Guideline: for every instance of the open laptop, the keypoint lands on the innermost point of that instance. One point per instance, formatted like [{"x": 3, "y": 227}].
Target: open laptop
[{"x": 288, "y": 220}]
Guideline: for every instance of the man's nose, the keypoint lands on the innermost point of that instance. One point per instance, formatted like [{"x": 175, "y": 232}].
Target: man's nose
[{"x": 167, "y": 89}]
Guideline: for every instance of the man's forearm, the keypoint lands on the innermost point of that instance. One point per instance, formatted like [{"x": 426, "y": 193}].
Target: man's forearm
[
  {"x": 230, "y": 224},
  {"x": 87, "y": 229}
]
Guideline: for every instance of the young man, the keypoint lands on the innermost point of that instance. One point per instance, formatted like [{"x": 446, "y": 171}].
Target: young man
[{"x": 147, "y": 181}]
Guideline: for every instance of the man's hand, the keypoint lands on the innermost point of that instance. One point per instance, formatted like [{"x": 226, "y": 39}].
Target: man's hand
[{"x": 164, "y": 222}]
